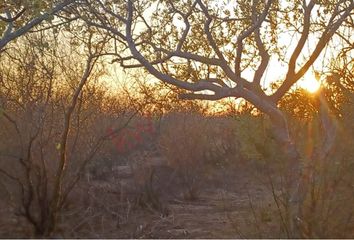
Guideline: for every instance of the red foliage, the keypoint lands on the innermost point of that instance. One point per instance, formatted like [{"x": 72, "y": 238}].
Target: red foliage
[{"x": 130, "y": 138}]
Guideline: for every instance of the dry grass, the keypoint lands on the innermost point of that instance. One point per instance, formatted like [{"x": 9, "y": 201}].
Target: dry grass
[{"x": 142, "y": 194}]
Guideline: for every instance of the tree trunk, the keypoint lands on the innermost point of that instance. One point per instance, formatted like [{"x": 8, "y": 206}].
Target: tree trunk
[{"x": 295, "y": 183}]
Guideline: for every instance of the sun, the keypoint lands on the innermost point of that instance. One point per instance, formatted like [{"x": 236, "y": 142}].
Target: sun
[{"x": 310, "y": 83}]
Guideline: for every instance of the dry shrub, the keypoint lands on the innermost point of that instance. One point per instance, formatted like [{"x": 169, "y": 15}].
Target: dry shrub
[
  {"x": 144, "y": 189},
  {"x": 51, "y": 129},
  {"x": 328, "y": 209},
  {"x": 190, "y": 141}
]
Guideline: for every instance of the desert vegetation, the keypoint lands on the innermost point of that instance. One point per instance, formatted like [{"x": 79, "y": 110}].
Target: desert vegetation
[{"x": 176, "y": 119}]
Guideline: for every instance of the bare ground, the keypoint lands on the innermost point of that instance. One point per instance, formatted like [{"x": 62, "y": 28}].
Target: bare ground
[{"x": 223, "y": 209}]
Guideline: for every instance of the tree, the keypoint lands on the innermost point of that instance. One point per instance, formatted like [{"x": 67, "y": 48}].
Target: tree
[
  {"x": 44, "y": 104},
  {"x": 19, "y": 17},
  {"x": 206, "y": 48}
]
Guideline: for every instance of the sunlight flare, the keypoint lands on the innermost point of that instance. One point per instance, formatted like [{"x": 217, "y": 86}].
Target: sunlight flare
[{"x": 310, "y": 83}]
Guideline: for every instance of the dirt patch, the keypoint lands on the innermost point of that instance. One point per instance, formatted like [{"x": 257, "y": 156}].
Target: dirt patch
[{"x": 222, "y": 210}]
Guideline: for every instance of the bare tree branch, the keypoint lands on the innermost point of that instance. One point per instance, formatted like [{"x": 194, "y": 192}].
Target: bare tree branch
[
  {"x": 10, "y": 35},
  {"x": 223, "y": 63},
  {"x": 261, "y": 48},
  {"x": 137, "y": 55},
  {"x": 293, "y": 77},
  {"x": 246, "y": 33},
  {"x": 10, "y": 19}
]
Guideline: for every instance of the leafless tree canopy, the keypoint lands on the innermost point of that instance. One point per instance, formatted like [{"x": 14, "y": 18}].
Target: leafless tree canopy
[{"x": 205, "y": 47}]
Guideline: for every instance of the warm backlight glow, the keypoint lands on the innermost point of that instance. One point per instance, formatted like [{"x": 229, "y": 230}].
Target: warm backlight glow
[{"x": 310, "y": 83}]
